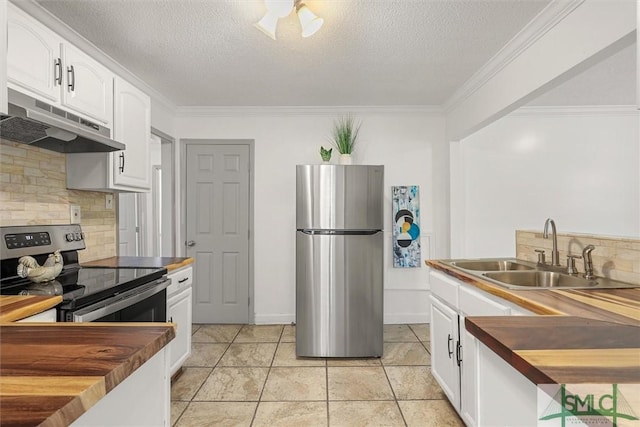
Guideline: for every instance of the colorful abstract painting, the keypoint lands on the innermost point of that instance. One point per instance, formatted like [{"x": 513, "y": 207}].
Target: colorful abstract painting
[{"x": 406, "y": 226}]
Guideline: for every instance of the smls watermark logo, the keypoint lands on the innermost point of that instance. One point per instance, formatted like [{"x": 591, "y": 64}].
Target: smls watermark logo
[{"x": 588, "y": 405}]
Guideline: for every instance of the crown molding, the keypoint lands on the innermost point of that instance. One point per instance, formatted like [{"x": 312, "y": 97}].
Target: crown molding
[
  {"x": 548, "y": 18},
  {"x": 306, "y": 110},
  {"x": 69, "y": 34},
  {"x": 578, "y": 110}
]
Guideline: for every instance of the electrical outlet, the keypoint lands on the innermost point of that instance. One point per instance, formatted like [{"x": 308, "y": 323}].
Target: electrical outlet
[
  {"x": 74, "y": 210},
  {"x": 108, "y": 201}
]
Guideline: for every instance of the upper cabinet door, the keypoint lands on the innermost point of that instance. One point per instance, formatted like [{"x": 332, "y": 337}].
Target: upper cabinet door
[
  {"x": 33, "y": 56},
  {"x": 132, "y": 127},
  {"x": 88, "y": 86}
]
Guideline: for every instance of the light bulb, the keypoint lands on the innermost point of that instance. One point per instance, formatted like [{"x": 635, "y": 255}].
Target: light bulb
[
  {"x": 268, "y": 25},
  {"x": 309, "y": 21}
]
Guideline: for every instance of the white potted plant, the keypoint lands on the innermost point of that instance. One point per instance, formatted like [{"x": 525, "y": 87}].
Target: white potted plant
[{"x": 344, "y": 137}]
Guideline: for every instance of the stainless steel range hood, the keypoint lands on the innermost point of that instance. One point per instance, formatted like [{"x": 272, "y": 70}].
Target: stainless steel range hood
[{"x": 34, "y": 122}]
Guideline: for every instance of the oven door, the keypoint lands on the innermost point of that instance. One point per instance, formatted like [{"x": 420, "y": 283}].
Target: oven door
[{"x": 146, "y": 303}]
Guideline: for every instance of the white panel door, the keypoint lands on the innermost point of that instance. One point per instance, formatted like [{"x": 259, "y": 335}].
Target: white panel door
[{"x": 217, "y": 181}]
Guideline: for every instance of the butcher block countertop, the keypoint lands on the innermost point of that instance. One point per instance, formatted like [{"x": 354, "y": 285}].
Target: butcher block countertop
[
  {"x": 16, "y": 307},
  {"x": 170, "y": 263},
  {"x": 563, "y": 349},
  {"x": 583, "y": 335},
  {"x": 52, "y": 373}
]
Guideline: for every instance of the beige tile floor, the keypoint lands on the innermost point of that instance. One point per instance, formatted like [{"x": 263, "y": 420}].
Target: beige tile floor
[{"x": 247, "y": 375}]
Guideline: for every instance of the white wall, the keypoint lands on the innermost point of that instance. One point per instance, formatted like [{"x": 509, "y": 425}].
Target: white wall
[
  {"x": 577, "y": 166},
  {"x": 402, "y": 141}
]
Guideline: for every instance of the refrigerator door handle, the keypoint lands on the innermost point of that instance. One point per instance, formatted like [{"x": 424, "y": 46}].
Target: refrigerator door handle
[{"x": 340, "y": 232}]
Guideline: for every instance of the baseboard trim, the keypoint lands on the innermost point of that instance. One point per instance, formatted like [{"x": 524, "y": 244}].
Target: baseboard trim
[
  {"x": 402, "y": 318},
  {"x": 274, "y": 319}
]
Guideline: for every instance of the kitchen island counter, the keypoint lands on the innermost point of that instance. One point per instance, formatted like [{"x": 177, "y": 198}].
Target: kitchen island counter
[
  {"x": 52, "y": 373},
  {"x": 170, "y": 263}
]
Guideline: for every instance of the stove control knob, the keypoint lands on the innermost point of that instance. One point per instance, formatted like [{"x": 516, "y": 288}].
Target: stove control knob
[
  {"x": 69, "y": 237},
  {"x": 77, "y": 236}
]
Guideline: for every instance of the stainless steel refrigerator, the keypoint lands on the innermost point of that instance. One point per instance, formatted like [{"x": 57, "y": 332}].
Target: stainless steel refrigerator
[{"x": 339, "y": 260}]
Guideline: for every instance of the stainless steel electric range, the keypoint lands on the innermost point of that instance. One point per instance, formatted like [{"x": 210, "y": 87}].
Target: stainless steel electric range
[{"x": 88, "y": 294}]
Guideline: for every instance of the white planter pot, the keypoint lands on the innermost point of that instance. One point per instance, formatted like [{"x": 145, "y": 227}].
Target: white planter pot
[{"x": 345, "y": 159}]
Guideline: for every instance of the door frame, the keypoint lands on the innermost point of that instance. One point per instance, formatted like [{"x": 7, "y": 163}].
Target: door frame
[{"x": 184, "y": 142}]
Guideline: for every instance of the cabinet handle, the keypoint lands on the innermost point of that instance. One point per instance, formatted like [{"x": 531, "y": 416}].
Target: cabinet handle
[
  {"x": 449, "y": 341},
  {"x": 183, "y": 280},
  {"x": 71, "y": 74},
  {"x": 458, "y": 353},
  {"x": 121, "y": 168},
  {"x": 58, "y": 71}
]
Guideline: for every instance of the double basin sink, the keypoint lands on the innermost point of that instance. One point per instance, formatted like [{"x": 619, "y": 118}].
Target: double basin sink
[{"x": 513, "y": 273}]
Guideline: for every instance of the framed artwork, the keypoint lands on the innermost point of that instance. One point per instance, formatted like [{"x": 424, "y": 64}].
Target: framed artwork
[{"x": 406, "y": 226}]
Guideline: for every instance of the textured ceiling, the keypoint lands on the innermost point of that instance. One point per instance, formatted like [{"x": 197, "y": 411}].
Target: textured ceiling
[{"x": 369, "y": 52}]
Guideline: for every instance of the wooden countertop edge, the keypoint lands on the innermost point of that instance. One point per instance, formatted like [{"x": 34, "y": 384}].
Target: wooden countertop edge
[
  {"x": 89, "y": 396},
  {"x": 115, "y": 262},
  {"x": 507, "y": 354},
  {"x": 17, "y": 307},
  {"x": 176, "y": 266}
]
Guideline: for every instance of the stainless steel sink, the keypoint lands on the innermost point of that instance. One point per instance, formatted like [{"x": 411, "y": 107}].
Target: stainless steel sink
[
  {"x": 513, "y": 273},
  {"x": 540, "y": 279},
  {"x": 491, "y": 265}
]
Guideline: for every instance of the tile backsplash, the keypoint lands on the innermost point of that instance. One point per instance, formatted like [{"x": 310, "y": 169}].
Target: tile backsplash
[
  {"x": 617, "y": 258},
  {"x": 33, "y": 191}
]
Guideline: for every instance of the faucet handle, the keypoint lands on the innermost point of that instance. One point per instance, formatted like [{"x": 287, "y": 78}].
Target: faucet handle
[
  {"x": 541, "y": 259},
  {"x": 571, "y": 264}
]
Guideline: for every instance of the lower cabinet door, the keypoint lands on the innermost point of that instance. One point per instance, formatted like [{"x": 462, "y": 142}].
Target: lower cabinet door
[
  {"x": 444, "y": 340},
  {"x": 179, "y": 312},
  {"x": 468, "y": 377}
]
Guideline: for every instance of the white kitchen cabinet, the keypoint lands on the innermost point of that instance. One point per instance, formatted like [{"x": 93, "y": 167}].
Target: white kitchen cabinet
[
  {"x": 142, "y": 399},
  {"x": 454, "y": 351},
  {"x": 132, "y": 127},
  {"x": 44, "y": 65},
  {"x": 46, "y": 316},
  {"x": 126, "y": 170},
  {"x": 179, "y": 311},
  {"x": 444, "y": 336},
  {"x": 88, "y": 85}
]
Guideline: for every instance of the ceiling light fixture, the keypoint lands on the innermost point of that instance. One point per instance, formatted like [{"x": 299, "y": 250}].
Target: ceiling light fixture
[{"x": 277, "y": 9}]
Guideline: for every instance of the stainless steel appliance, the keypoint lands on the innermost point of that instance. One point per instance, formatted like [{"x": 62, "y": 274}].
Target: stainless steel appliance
[
  {"x": 339, "y": 260},
  {"x": 34, "y": 122},
  {"x": 88, "y": 294}
]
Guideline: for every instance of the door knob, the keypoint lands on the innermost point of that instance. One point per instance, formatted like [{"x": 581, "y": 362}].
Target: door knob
[{"x": 191, "y": 243}]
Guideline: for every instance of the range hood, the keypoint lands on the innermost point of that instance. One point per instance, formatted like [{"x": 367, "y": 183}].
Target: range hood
[{"x": 37, "y": 123}]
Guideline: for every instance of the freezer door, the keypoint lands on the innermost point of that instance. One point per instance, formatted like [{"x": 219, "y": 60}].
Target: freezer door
[
  {"x": 339, "y": 197},
  {"x": 339, "y": 295}
]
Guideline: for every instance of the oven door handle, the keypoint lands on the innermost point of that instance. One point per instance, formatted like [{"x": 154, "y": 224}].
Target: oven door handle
[{"x": 118, "y": 302}]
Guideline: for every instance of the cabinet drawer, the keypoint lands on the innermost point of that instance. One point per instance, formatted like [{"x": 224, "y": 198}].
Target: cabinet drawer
[
  {"x": 180, "y": 280},
  {"x": 445, "y": 288},
  {"x": 475, "y": 304}
]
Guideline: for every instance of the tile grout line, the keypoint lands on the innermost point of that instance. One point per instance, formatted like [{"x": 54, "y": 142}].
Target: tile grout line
[{"x": 264, "y": 385}]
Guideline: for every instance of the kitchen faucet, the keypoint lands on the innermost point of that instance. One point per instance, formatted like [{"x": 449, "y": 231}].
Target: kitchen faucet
[
  {"x": 588, "y": 262},
  {"x": 555, "y": 255}
]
